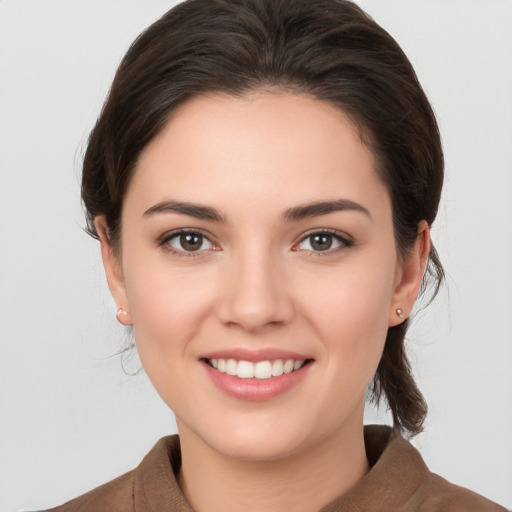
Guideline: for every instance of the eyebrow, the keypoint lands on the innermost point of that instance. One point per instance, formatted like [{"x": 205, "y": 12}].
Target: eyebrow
[
  {"x": 192, "y": 209},
  {"x": 292, "y": 214},
  {"x": 323, "y": 208}
]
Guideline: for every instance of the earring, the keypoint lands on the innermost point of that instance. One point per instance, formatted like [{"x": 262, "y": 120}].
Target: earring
[
  {"x": 122, "y": 317},
  {"x": 399, "y": 313}
]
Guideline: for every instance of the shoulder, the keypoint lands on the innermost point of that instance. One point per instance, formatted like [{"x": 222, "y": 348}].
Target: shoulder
[
  {"x": 114, "y": 496},
  {"x": 435, "y": 494},
  {"x": 151, "y": 486},
  {"x": 399, "y": 481}
]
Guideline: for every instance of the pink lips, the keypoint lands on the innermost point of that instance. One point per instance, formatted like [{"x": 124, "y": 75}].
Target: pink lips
[
  {"x": 255, "y": 389},
  {"x": 241, "y": 354}
]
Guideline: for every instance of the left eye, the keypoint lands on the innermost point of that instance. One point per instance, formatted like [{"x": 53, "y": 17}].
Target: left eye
[
  {"x": 321, "y": 242},
  {"x": 189, "y": 242}
]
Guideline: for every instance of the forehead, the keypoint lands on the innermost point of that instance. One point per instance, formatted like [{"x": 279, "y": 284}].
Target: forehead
[{"x": 265, "y": 147}]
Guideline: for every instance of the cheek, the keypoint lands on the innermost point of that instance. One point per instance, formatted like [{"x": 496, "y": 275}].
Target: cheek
[
  {"x": 167, "y": 308},
  {"x": 351, "y": 315}
]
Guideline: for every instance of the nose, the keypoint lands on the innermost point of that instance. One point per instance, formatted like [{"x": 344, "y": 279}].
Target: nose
[{"x": 255, "y": 294}]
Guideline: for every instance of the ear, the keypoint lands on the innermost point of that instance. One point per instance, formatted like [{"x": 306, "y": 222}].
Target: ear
[
  {"x": 409, "y": 275},
  {"x": 113, "y": 271}
]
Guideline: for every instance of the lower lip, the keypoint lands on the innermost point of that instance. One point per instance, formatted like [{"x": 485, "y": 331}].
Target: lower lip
[{"x": 256, "y": 390}]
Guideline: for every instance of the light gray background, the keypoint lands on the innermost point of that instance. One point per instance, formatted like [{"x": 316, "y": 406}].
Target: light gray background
[{"x": 70, "y": 419}]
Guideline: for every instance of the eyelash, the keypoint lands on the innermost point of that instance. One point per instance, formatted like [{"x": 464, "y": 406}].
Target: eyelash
[
  {"x": 168, "y": 237},
  {"x": 344, "y": 241}
]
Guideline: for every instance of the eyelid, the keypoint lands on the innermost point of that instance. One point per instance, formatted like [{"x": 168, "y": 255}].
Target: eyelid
[
  {"x": 163, "y": 241},
  {"x": 343, "y": 238}
]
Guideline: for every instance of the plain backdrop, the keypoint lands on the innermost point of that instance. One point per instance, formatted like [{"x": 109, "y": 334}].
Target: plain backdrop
[{"x": 70, "y": 418}]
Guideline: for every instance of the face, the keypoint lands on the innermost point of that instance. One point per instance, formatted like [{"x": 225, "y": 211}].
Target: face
[{"x": 259, "y": 269}]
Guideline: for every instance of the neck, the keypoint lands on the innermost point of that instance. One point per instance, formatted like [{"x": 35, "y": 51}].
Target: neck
[{"x": 212, "y": 481}]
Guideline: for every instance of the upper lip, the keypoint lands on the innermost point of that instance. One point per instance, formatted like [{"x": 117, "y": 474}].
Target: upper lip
[{"x": 264, "y": 354}]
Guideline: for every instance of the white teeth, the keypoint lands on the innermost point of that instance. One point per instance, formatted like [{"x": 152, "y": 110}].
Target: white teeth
[
  {"x": 245, "y": 370},
  {"x": 263, "y": 370},
  {"x": 277, "y": 368},
  {"x": 288, "y": 366},
  {"x": 231, "y": 366},
  {"x": 259, "y": 370}
]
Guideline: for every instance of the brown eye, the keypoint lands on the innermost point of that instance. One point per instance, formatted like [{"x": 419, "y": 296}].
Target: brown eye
[
  {"x": 321, "y": 242},
  {"x": 191, "y": 241},
  {"x": 188, "y": 242}
]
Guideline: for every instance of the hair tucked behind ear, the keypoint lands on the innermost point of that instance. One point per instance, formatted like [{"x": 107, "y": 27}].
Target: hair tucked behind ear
[
  {"x": 395, "y": 381},
  {"x": 329, "y": 49}
]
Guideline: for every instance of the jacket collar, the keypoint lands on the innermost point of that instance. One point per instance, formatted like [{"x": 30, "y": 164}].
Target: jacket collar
[{"x": 397, "y": 470}]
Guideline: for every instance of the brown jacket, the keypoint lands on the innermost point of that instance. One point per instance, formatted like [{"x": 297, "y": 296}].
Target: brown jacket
[{"x": 399, "y": 481}]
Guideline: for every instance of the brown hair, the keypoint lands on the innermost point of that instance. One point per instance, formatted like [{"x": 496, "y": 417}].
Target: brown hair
[{"x": 329, "y": 49}]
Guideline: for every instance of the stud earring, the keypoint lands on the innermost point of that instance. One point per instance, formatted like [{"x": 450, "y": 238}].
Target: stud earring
[
  {"x": 122, "y": 317},
  {"x": 399, "y": 313}
]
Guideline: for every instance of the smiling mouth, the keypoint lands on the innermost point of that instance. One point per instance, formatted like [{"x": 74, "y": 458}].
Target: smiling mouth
[{"x": 259, "y": 370}]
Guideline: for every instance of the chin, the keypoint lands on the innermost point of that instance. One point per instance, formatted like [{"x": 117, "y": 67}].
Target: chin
[
  {"x": 251, "y": 439},
  {"x": 258, "y": 448}
]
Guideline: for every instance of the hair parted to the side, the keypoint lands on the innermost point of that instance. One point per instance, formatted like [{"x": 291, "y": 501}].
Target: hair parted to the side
[{"x": 328, "y": 49}]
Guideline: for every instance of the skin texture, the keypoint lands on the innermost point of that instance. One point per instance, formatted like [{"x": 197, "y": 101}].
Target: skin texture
[{"x": 256, "y": 283}]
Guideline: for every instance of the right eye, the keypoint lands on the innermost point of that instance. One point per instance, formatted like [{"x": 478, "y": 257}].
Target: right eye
[{"x": 187, "y": 241}]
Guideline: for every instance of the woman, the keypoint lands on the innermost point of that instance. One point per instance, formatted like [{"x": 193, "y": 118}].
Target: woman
[{"x": 263, "y": 179}]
